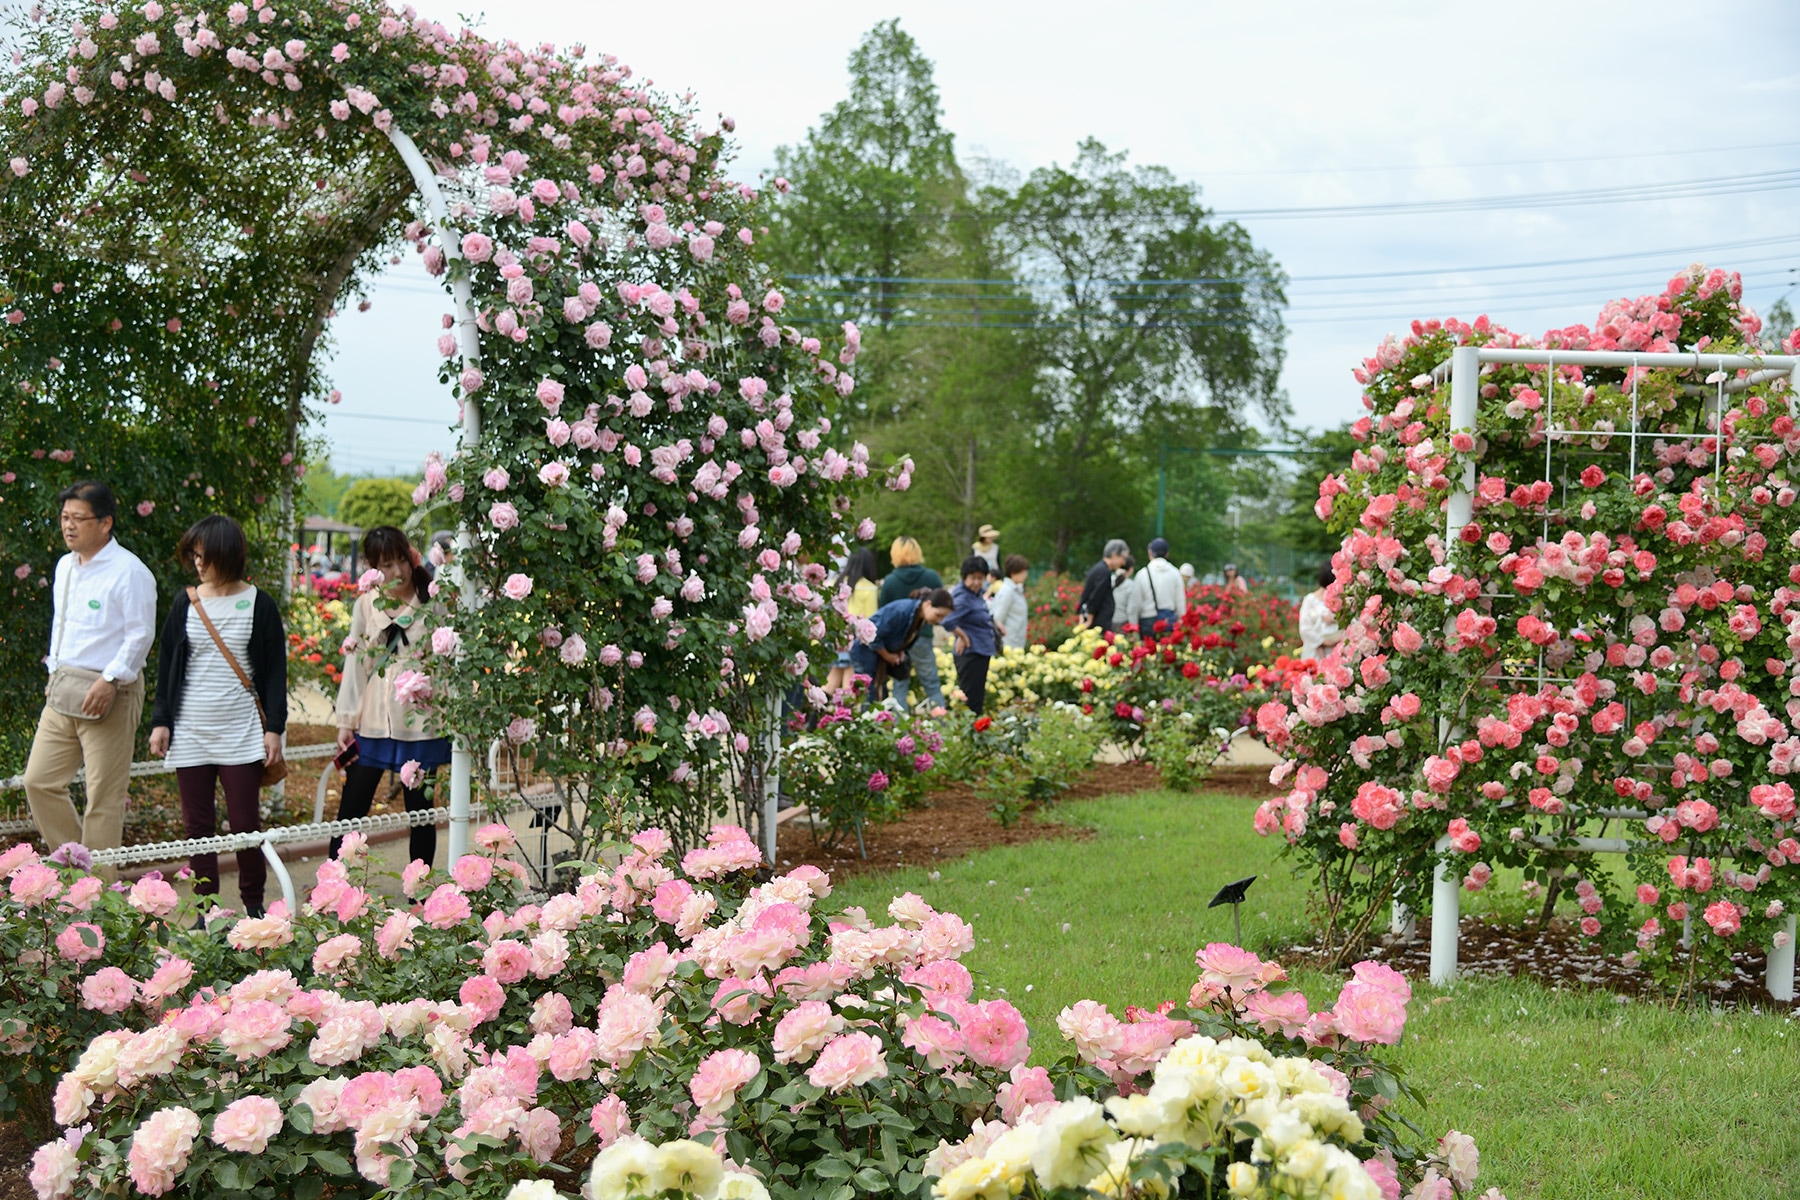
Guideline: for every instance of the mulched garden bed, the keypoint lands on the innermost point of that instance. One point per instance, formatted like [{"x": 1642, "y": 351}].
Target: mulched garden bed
[
  {"x": 1559, "y": 958},
  {"x": 951, "y": 823}
]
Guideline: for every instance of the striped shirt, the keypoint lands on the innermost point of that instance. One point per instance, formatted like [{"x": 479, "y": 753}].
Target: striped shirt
[{"x": 217, "y": 722}]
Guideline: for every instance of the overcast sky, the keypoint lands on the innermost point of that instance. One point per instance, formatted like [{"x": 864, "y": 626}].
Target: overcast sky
[{"x": 1267, "y": 106}]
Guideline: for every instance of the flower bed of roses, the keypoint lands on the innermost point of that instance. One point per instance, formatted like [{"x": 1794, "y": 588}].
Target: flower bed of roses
[
  {"x": 665, "y": 1016},
  {"x": 853, "y": 769},
  {"x": 1609, "y": 637}
]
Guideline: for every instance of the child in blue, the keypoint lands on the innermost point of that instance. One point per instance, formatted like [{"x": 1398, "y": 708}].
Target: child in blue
[{"x": 973, "y": 623}]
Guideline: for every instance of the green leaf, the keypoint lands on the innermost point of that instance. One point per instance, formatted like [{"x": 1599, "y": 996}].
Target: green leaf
[
  {"x": 831, "y": 1168},
  {"x": 300, "y": 1116},
  {"x": 332, "y": 1161},
  {"x": 872, "y": 1179}
]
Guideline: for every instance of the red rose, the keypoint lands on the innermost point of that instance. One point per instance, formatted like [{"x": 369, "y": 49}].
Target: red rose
[{"x": 982, "y": 723}]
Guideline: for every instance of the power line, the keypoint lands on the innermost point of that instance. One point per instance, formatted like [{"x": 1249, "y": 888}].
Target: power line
[{"x": 1526, "y": 162}]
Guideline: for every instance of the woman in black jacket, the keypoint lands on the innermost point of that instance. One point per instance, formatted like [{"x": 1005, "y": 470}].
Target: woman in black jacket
[{"x": 205, "y": 721}]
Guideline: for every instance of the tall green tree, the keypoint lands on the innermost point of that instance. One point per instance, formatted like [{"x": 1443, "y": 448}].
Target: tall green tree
[
  {"x": 868, "y": 187},
  {"x": 1154, "y": 321}
]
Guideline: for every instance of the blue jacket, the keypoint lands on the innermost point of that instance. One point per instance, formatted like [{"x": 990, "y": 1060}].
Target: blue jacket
[
  {"x": 972, "y": 616},
  {"x": 892, "y": 623}
]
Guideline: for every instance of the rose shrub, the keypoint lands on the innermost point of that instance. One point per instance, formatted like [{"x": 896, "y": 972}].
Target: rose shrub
[
  {"x": 853, "y": 769},
  {"x": 476, "y": 1037},
  {"x": 1615, "y": 630}
]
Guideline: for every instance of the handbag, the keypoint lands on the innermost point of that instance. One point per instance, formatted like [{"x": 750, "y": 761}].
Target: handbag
[
  {"x": 273, "y": 772},
  {"x": 67, "y": 688}
]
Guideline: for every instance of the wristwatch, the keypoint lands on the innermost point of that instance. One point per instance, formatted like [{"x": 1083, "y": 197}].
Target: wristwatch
[{"x": 108, "y": 676}]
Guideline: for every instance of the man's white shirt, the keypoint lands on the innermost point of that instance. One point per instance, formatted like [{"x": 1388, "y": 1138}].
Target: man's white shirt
[{"x": 105, "y": 613}]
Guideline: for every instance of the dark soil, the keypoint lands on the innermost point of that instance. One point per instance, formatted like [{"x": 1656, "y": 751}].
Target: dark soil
[
  {"x": 16, "y": 1149},
  {"x": 1559, "y": 957},
  {"x": 949, "y": 824}
]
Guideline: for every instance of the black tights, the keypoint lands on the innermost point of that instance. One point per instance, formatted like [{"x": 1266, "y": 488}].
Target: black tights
[{"x": 360, "y": 783}]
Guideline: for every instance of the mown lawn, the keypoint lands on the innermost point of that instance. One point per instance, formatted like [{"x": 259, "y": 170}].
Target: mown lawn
[{"x": 1571, "y": 1095}]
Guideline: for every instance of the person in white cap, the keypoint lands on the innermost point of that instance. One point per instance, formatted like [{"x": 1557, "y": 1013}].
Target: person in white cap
[
  {"x": 1235, "y": 582},
  {"x": 987, "y": 544}
]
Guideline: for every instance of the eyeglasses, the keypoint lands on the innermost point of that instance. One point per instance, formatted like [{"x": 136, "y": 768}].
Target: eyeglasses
[{"x": 74, "y": 518}]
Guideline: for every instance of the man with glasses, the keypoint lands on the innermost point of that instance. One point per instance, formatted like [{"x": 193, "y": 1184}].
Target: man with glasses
[{"x": 100, "y": 634}]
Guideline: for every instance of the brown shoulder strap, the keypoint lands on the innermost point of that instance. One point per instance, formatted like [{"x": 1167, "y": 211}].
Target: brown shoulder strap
[{"x": 194, "y": 603}]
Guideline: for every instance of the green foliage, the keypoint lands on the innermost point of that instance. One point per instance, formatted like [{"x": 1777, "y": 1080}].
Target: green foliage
[
  {"x": 855, "y": 771},
  {"x": 1018, "y": 758},
  {"x": 370, "y": 502}
]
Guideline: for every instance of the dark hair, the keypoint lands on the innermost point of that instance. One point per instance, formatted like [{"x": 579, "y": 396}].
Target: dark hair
[
  {"x": 220, "y": 543},
  {"x": 941, "y": 598},
  {"x": 975, "y": 565},
  {"x": 1014, "y": 564},
  {"x": 858, "y": 567},
  {"x": 1327, "y": 576},
  {"x": 91, "y": 492},
  {"x": 385, "y": 544}
]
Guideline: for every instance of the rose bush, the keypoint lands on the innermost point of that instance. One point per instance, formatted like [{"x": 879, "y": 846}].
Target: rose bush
[
  {"x": 853, "y": 769},
  {"x": 1613, "y": 632},
  {"x": 473, "y": 1037}
]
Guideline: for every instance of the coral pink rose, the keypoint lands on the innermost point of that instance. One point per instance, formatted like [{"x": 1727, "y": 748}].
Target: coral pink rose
[
  {"x": 446, "y": 907},
  {"x": 81, "y": 942},
  {"x": 715, "y": 1085},
  {"x": 995, "y": 1034},
  {"x": 805, "y": 1030},
  {"x": 108, "y": 990}
]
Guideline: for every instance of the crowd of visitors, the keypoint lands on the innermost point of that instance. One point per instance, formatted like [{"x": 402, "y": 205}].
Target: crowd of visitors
[{"x": 220, "y": 710}]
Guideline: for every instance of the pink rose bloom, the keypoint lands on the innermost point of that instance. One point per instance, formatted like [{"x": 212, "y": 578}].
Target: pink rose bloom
[
  {"x": 1286, "y": 1013},
  {"x": 169, "y": 978},
  {"x": 849, "y": 1060},
  {"x": 19, "y": 853},
  {"x": 1366, "y": 1012},
  {"x": 395, "y": 934},
  {"x": 246, "y": 1125},
  {"x": 805, "y": 1030},
  {"x": 1226, "y": 966},
  {"x": 495, "y": 837},
  {"x": 160, "y": 1147},
  {"x": 506, "y": 960},
  {"x": 503, "y": 516},
  {"x": 995, "y": 1035},
  {"x": 82, "y": 893},
  {"x": 938, "y": 1041},
  {"x": 648, "y": 970},
  {"x": 1027, "y": 1087},
  {"x": 946, "y": 935},
  {"x": 540, "y": 1134},
  {"x": 572, "y": 1055},
  {"x": 477, "y": 247},
  {"x": 336, "y": 954},
  {"x": 553, "y": 474},
  {"x": 81, "y": 942},
  {"x": 322, "y": 1096},
  {"x": 484, "y": 994},
  {"x": 54, "y": 1168},
  {"x": 472, "y": 872},
  {"x": 446, "y": 907},
  {"x": 33, "y": 884},
  {"x": 1382, "y": 1172},
  {"x": 940, "y": 981},
  {"x": 610, "y": 1120},
  {"x": 625, "y": 1024},
  {"x": 1724, "y": 917},
  {"x": 552, "y": 1013},
  {"x": 1460, "y": 1159},
  {"x": 517, "y": 586},
  {"x": 1094, "y": 1030},
  {"x": 1383, "y": 977},
  {"x": 715, "y": 1085},
  {"x": 739, "y": 1000},
  {"x": 550, "y": 394},
  {"x": 255, "y": 1029},
  {"x": 109, "y": 990},
  {"x": 260, "y": 933}
]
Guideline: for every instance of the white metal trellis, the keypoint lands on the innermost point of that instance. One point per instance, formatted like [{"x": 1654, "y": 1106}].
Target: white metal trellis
[{"x": 1463, "y": 372}]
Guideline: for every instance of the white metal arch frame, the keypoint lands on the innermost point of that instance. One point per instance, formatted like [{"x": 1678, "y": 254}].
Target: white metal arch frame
[{"x": 1463, "y": 372}]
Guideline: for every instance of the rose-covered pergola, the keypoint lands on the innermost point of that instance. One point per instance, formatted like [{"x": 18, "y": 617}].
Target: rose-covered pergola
[{"x": 646, "y": 487}]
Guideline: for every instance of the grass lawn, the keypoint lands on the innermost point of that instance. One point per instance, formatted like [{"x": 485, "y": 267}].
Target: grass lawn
[{"x": 1571, "y": 1096}]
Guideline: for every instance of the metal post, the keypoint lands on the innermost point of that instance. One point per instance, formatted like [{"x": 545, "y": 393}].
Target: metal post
[
  {"x": 771, "y": 773},
  {"x": 1465, "y": 398},
  {"x": 1779, "y": 974},
  {"x": 469, "y": 338},
  {"x": 1446, "y": 903},
  {"x": 1162, "y": 483}
]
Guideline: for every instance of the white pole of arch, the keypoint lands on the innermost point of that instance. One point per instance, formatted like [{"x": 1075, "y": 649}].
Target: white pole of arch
[{"x": 462, "y": 760}]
